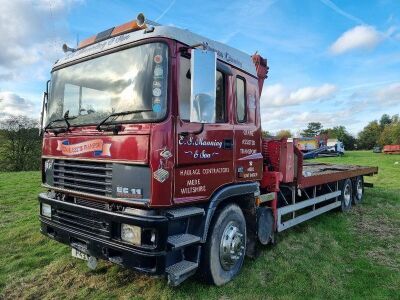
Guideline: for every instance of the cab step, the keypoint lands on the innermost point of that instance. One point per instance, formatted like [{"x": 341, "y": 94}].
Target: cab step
[
  {"x": 185, "y": 212},
  {"x": 180, "y": 271},
  {"x": 181, "y": 240}
]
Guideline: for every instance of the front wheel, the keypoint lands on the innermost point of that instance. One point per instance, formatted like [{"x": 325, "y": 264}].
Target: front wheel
[{"x": 224, "y": 251}]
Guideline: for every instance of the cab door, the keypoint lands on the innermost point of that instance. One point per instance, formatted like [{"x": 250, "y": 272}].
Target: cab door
[
  {"x": 248, "y": 159},
  {"x": 204, "y": 152}
]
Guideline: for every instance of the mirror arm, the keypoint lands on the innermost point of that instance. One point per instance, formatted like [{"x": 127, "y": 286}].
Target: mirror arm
[
  {"x": 44, "y": 105},
  {"x": 45, "y": 95},
  {"x": 184, "y": 50},
  {"x": 47, "y": 86}
]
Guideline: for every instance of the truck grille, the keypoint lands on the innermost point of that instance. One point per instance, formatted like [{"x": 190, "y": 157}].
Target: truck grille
[
  {"x": 82, "y": 221},
  {"x": 83, "y": 176},
  {"x": 92, "y": 204}
]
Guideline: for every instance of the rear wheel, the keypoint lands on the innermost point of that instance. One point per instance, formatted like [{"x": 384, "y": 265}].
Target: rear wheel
[
  {"x": 224, "y": 251},
  {"x": 358, "y": 190},
  {"x": 347, "y": 195}
]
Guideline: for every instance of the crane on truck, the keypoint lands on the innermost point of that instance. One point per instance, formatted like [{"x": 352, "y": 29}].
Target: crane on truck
[{"x": 153, "y": 158}]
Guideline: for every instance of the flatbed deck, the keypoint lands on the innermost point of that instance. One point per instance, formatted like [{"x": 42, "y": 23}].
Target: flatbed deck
[{"x": 320, "y": 173}]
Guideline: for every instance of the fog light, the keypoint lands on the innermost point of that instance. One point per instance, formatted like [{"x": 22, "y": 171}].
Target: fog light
[
  {"x": 131, "y": 234},
  {"x": 46, "y": 210}
]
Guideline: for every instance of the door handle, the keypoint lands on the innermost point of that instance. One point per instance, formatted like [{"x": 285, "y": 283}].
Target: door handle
[{"x": 227, "y": 144}]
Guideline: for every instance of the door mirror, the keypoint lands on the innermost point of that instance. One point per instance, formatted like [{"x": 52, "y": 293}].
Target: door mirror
[{"x": 203, "y": 86}]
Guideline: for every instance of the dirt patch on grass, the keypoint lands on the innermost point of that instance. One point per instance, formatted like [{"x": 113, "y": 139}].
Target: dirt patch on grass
[
  {"x": 375, "y": 224},
  {"x": 388, "y": 257},
  {"x": 69, "y": 279},
  {"x": 383, "y": 234}
]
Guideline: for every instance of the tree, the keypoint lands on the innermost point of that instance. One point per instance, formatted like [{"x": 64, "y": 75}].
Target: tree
[
  {"x": 284, "y": 133},
  {"x": 313, "y": 129},
  {"x": 385, "y": 120},
  {"x": 265, "y": 134},
  {"x": 369, "y": 136},
  {"x": 391, "y": 133},
  {"x": 20, "y": 144},
  {"x": 340, "y": 133}
]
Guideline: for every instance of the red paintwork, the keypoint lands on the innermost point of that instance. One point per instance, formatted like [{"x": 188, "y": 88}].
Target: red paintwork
[
  {"x": 129, "y": 148},
  {"x": 271, "y": 180},
  {"x": 262, "y": 70},
  {"x": 280, "y": 154}
]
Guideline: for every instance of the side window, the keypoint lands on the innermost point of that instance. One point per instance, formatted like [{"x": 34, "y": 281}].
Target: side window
[
  {"x": 184, "y": 93},
  {"x": 240, "y": 99},
  {"x": 220, "y": 105},
  {"x": 184, "y": 88}
]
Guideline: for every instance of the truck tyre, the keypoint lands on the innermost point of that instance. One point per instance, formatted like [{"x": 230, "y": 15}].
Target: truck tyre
[
  {"x": 358, "y": 190},
  {"x": 223, "y": 254},
  {"x": 265, "y": 225},
  {"x": 347, "y": 195}
]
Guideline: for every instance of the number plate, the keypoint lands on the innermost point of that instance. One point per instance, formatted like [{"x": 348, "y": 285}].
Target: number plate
[{"x": 79, "y": 254}]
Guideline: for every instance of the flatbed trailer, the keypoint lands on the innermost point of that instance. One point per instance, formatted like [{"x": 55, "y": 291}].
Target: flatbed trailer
[
  {"x": 144, "y": 168},
  {"x": 308, "y": 189}
]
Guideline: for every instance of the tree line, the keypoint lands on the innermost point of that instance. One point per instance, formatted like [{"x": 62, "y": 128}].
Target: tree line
[
  {"x": 385, "y": 131},
  {"x": 20, "y": 144}
]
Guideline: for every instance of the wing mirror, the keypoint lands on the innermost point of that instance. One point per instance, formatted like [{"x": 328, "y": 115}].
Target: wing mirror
[{"x": 203, "y": 86}]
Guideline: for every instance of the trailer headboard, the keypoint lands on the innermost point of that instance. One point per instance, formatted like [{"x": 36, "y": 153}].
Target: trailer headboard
[{"x": 280, "y": 155}]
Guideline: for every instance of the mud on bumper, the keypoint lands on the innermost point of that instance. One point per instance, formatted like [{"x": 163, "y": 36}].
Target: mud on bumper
[{"x": 97, "y": 233}]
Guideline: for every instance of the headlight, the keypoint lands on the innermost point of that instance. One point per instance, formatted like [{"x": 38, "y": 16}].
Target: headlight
[
  {"x": 131, "y": 234},
  {"x": 46, "y": 210}
]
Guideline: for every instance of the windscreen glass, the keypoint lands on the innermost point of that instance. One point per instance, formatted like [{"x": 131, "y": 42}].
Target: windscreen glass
[{"x": 134, "y": 79}]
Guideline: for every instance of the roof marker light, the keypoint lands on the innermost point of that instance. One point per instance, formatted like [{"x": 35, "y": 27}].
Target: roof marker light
[
  {"x": 141, "y": 20},
  {"x": 66, "y": 49}
]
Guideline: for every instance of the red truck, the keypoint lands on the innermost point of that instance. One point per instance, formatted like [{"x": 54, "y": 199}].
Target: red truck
[{"x": 153, "y": 157}]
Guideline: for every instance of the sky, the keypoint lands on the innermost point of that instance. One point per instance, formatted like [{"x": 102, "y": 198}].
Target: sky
[{"x": 331, "y": 61}]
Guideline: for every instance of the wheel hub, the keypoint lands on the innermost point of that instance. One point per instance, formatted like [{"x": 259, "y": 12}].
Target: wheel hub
[{"x": 231, "y": 247}]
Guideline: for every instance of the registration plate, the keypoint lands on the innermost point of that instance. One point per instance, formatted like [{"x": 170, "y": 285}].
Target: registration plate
[{"x": 79, "y": 254}]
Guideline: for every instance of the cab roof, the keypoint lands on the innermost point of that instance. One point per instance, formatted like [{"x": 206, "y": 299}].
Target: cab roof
[{"x": 225, "y": 53}]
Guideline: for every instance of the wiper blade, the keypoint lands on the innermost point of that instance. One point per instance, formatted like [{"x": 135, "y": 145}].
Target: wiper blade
[
  {"x": 65, "y": 119},
  {"x": 117, "y": 114}
]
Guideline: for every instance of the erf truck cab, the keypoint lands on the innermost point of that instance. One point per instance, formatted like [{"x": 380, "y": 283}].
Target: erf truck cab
[{"x": 153, "y": 157}]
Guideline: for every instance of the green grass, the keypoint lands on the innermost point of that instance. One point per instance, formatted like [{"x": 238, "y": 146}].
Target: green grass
[{"x": 353, "y": 255}]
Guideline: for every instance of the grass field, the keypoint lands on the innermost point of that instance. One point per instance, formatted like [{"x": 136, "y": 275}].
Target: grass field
[{"x": 353, "y": 255}]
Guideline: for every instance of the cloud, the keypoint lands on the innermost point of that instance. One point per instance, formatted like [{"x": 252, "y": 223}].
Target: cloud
[
  {"x": 389, "y": 94},
  {"x": 33, "y": 32},
  {"x": 340, "y": 11},
  {"x": 359, "y": 37},
  {"x": 297, "y": 121},
  {"x": 278, "y": 95},
  {"x": 12, "y": 104}
]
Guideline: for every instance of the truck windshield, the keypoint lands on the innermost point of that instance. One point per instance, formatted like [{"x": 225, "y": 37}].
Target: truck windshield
[{"x": 134, "y": 79}]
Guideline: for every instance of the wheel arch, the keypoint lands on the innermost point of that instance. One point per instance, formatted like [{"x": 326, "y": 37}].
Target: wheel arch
[{"x": 226, "y": 195}]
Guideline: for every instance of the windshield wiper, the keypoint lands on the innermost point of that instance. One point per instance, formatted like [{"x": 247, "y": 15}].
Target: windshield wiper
[
  {"x": 117, "y": 127},
  {"x": 57, "y": 130}
]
